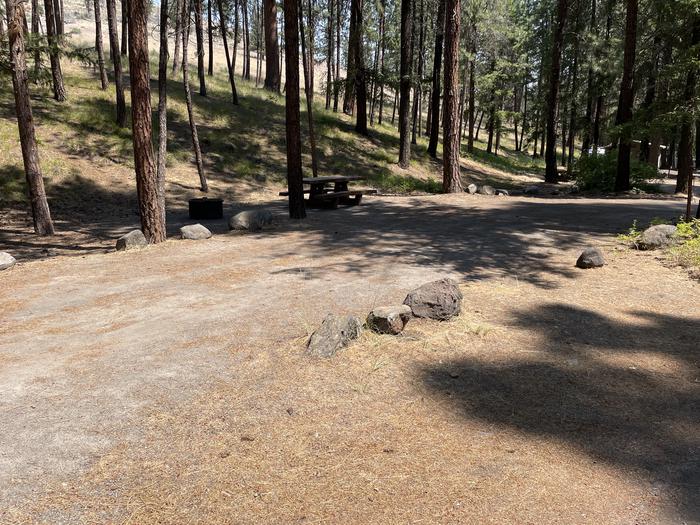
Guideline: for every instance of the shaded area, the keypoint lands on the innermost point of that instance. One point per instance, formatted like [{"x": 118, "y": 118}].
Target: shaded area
[{"x": 643, "y": 421}]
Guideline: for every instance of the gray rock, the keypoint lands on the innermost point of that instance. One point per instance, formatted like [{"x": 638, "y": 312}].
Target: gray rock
[
  {"x": 505, "y": 193},
  {"x": 472, "y": 189},
  {"x": 251, "y": 220},
  {"x": 335, "y": 333},
  {"x": 6, "y": 261},
  {"x": 133, "y": 239},
  {"x": 439, "y": 300},
  {"x": 389, "y": 319},
  {"x": 195, "y": 232},
  {"x": 487, "y": 190},
  {"x": 591, "y": 258},
  {"x": 659, "y": 236},
  {"x": 531, "y": 190}
]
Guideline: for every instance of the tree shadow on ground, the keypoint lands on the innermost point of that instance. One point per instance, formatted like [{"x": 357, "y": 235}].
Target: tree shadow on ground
[{"x": 641, "y": 421}]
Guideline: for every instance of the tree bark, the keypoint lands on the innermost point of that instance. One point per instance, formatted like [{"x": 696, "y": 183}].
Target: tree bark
[
  {"x": 418, "y": 85},
  {"x": 586, "y": 142},
  {"x": 16, "y": 20},
  {"x": 229, "y": 65},
  {"x": 405, "y": 85},
  {"x": 305, "y": 59},
  {"x": 59, "y": 90},
  {"x": 272, "y": 70},
  {"x": 329, "y": 53},
  {"x": 435, "y": 94},
  {"x": 553, "y": 92},
  {"x": 210, "y": 40},
  {"x": 99, "y": 47},
  {"x": 186, "y": 11},
  {"x": 199, "y": 33},
  {"x": 125, "y": 27},
  {"x": 178, "y": 37},
  {"x": 293, "y": 119},
  {"x": 684, "y": 180},
  {"x": 360, "y": 79},
  {"x": 451, "y": 178},
  {"x": 349, "y": 94},
  {"x": 35, "y": 31},
  {"x": 162, "y": 104},
  {"x": 116, "y": 61},
  {"x": 382, "y": 31},
  {"x": 624, "y": 107},
  {"x": 246, "y": 41},
  {"x": 336, "y": 87},
  {"x": 150, "y": 194}
]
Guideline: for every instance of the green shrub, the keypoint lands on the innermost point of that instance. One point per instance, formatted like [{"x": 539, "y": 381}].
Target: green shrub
[{"x": 597, "y": 172}]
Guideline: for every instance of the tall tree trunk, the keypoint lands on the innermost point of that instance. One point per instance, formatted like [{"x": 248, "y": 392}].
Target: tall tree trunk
[
  {"x": 624, "y": 107},
  {"x": 684, "y": 180},
  {"x": 162, "y": 104},
  {"x": 418, "y": 87},
  {"x": 148, "y": 187},
  {"x": 246, "y": 41},
  {"x": 329, "y": 53},
  {"x": 60, "y": 20},
  {"x": 59, "y": 90},
  {"x": 295, "y": 184},
  {"x": 187, "y": 6},
  {"x": 272, "y": 71},
  {"x": 116, "y": 61},
  {"x": 553, "y": 92},
  {"x": 305, "y": 59},
  {"x": 451, "y": 179},
  {"x": 16, "y": 21},
  {"x": 125, "y": 27},
  {"x": 405, "y": 84},
  {"x": 229, "y": 65},
  {"x": 336, "y": 87},
  {"x": 235, "y": 35},
  {"x": 588, "y": 132},
  {"x": 210, "y": 40},
  {"x": 35, "y": 31},
  {"x": 311, "y": 45},
  {"x": 382, "y": 43},
  {"x": 435, "y": 94},
  {"x": 574, "y": 106},
  {"x": 199, "y": 32},
  {"x": 360, "y": 78},
  {"x": 349, "y": 94},
  {"x": 178, "y": 37},
  {"x": 98, "y": 46}
]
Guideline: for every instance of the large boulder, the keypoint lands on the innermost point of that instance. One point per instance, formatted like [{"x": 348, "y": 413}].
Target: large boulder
[
  {"x": 251, "y": 220},
  {"x": 591, "y": 258},
  {"x": 389, "y": 319},
  {"x": 439, "y": 300},
  {"x": 335, "y": 333},
  {"x": 659, "y": 236},
  {"x": 487, "y": 190},
  {"x": 472, "y": 189},
  {"x": 6, "y": 261},
  {"x": 195, "y": 232},
  {"x": 131, "y": 240}
]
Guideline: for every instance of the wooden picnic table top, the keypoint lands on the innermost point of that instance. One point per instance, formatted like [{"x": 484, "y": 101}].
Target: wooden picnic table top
[{"x": 332, "y": 178}]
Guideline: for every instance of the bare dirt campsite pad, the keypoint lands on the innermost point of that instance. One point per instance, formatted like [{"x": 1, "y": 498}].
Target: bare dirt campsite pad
[{"x": 169, "y": 385}]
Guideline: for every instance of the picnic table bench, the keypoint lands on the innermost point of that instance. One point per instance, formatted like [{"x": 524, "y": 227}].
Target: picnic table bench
[{"x": 330, "y": 191}]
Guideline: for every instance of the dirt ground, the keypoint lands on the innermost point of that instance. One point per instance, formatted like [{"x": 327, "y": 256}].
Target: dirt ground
[{"x": 170, "y": 385}]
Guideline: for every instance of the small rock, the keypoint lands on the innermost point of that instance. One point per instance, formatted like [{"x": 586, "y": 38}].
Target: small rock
[
  {"x": 335, "y": 333},
  {"x": 502, "y": 192},
  {"x": 531, "y": 190},
  {"x": 195, "y": 232},
  {"x": 131, "y": 240},
  {"x": 590, "y": 258},
  {"x": 6, "y": 261},
  {"x": 251, "y": 220},
  {"x": 389, "y": 319},
  {"x": 472, "y": 189},
  {"x": 439, "y": 300},
  {"x": 659, "y": 236},
  {"x": 487, "y": 190}
]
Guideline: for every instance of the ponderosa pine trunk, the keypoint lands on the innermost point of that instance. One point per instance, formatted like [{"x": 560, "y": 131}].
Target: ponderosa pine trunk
[
  {"x": 178, "y": 37},
  {"x": 59, "y": 90},
  {"x": 360, "y": 78},
  {"x": 16, "y": 21},
  {"x": 210, "y": 40},
  {"x": 382, "y": 32},
  {"x": 150, "y": 195},
  {"x": 349, "y": 94},
  {"x": 405, "y": 85},
  {"x": 116, "y": 61},
  {"x": 186, "y": 11},
  {"x": 229, "y": 65},
  {"x": 624, "y": 107},
  {"x": 418, "y": 85},
  {"x": 435, "y": 94},
  {"x": 553, "y": 92},
  {"x": 246, "y": 42},
  {"x": 295, "y": 184},
  {"x": 162, "y": 103},
  {"x": 451, "y": 179},
  {"x": 336, "y": 86},
  {"x": 586, "y": 142},
  {"x": 199, "y": 33},
  {"x": 684, "y": 180},
  {"x": 272, "y": 59},
  {"x": 329, "y": 53},
  {"x": 35, "y": 31},
  {"x": 125, "y": 27},
  {"x": 305, "y": 59},
  {"x": 99, "y": 47}
]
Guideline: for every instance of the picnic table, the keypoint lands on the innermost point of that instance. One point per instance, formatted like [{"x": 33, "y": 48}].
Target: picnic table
[{"x": 330, "y": 191}]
